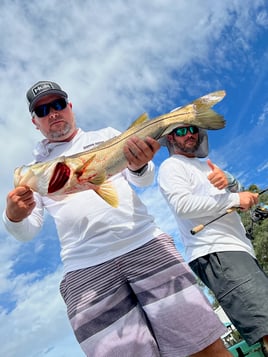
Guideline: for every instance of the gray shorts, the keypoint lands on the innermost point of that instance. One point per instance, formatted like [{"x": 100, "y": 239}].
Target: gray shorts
[
  {"x": 241, "y": 287},
  {"x": 144, "y": 303}
]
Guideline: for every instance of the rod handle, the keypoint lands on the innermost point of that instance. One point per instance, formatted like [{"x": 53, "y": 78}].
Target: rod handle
[
  {"x": 230, "y": 210},
  {"x": 197, "y": 229}
]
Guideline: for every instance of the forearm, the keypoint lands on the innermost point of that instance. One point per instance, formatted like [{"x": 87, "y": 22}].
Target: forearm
[
  {"x": 26, "y": 229},
  {"x": 233, "y": 184},
  {"x": 189, "y": 206},
  {"x": 189, "y": 197}
]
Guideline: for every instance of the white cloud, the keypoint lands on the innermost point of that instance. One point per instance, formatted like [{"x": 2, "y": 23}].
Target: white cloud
[
  {"x": 263, "y": 116},
  {"x": 264, "y": 166},
  {"x": 262, "y": 18},
  {"x": 38, "y": 323}
]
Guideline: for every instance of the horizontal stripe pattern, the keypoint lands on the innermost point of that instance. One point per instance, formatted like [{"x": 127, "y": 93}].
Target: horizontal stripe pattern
[
  {"x": 132, "y": 294},
  {"x": 95, "y": 283}
]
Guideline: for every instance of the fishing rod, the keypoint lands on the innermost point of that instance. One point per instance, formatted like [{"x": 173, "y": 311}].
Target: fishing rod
[
  {"x": 202, "y": 226},
  {"x": 265, "y": 190},
  {"x": 259, "y": 213}
]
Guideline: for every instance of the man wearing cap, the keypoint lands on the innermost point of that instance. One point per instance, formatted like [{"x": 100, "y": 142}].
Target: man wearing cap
[
  {"x": 127, "y": 289},
  {"x": 221, "y": 255}
]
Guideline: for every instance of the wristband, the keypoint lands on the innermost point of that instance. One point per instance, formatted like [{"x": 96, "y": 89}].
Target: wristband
[{"x": 140, "y": 171}]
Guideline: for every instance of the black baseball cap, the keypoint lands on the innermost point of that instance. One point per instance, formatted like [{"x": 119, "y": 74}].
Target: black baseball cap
[{"x": 41, "y": 89}]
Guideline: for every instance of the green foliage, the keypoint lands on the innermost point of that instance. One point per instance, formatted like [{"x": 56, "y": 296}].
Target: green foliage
[{"x": 260, "y": 230}]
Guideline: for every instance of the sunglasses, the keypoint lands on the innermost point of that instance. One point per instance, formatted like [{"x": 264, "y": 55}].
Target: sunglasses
[
  {"x": 44, "y": 109},
  {"x": 184, "y": 130}
]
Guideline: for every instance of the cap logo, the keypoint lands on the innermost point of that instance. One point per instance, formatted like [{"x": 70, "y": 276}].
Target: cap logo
[{"x": 42, "y": 88}]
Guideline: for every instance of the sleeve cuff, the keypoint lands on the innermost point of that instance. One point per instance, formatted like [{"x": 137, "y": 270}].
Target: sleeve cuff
[{"x": 139, "y": 172}]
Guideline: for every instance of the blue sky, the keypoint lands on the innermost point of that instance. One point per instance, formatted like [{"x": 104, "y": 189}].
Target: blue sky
[{"x": 117, "y": 59}]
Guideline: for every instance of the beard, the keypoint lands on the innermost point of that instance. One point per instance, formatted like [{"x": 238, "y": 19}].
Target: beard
[
  {"x": 184, "y": 148},
  {"x": 60, "y": 133}
]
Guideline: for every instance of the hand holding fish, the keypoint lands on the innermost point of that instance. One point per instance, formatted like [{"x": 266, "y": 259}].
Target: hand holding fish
[
  {"x": 139, "y": 152},
  {"x": 217, "y": 177},
  {"x": 20, "y": 203}
]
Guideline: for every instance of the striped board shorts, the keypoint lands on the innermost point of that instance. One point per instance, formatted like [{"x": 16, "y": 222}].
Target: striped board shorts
[{"x": 142, "y": 304}]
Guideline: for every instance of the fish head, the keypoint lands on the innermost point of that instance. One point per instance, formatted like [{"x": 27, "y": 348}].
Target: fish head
[{"x": 45, "y": 177}]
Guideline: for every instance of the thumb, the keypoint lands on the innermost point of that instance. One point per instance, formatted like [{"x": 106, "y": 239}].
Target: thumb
[{"x": 211, "y": 165}]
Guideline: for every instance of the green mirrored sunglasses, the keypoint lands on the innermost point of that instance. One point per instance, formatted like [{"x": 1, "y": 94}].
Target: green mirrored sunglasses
[{"x": 184, "y": 130}]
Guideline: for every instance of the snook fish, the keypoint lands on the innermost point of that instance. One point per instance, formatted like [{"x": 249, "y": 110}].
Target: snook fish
[{"x": 91, "y": 169}]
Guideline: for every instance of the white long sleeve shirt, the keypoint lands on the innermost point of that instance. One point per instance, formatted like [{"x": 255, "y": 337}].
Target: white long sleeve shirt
[
  {"x": 90, "y": 231},
  {"x": 194, "y": 200}
]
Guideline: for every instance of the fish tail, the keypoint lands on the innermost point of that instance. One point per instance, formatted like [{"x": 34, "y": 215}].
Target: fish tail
[
  {"x": 206, "y": 117},
  {"x": 208, "y": 100},
  {"x": 108, "y": 193},
  {"x": 209, "y": 119},
  {"x": 201, "y": 113}
]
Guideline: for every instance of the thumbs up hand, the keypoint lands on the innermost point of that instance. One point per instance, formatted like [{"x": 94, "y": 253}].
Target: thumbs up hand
[{"x": 217, "y": 177}]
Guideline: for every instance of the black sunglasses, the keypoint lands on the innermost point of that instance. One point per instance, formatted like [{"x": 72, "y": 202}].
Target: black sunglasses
[
  {"x": 184, "y": 130},
  {"x": 44, "y": 109}
]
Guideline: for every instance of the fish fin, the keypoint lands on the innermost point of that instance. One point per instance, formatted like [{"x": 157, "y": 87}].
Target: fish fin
[
  {"x": 209, "y": 100},
  {"x": 203, "y": 116},
  {"x": 108, "y": 193},
  {"x": 84, "y": 165},
  {"x": 141, "y": 119},
  {"x": 203, "y": 103},
  {"x": 209, "y": 119},
  {"x": 98, "y": 179}
]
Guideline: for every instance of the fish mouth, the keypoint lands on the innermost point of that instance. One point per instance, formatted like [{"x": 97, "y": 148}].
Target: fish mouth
[{"x": 61, "y": 175}]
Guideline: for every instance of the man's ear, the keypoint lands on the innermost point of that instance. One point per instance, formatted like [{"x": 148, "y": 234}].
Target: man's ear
[
  {"x": 34, "y": 121},
  {"x": 170, "y": 138}
]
